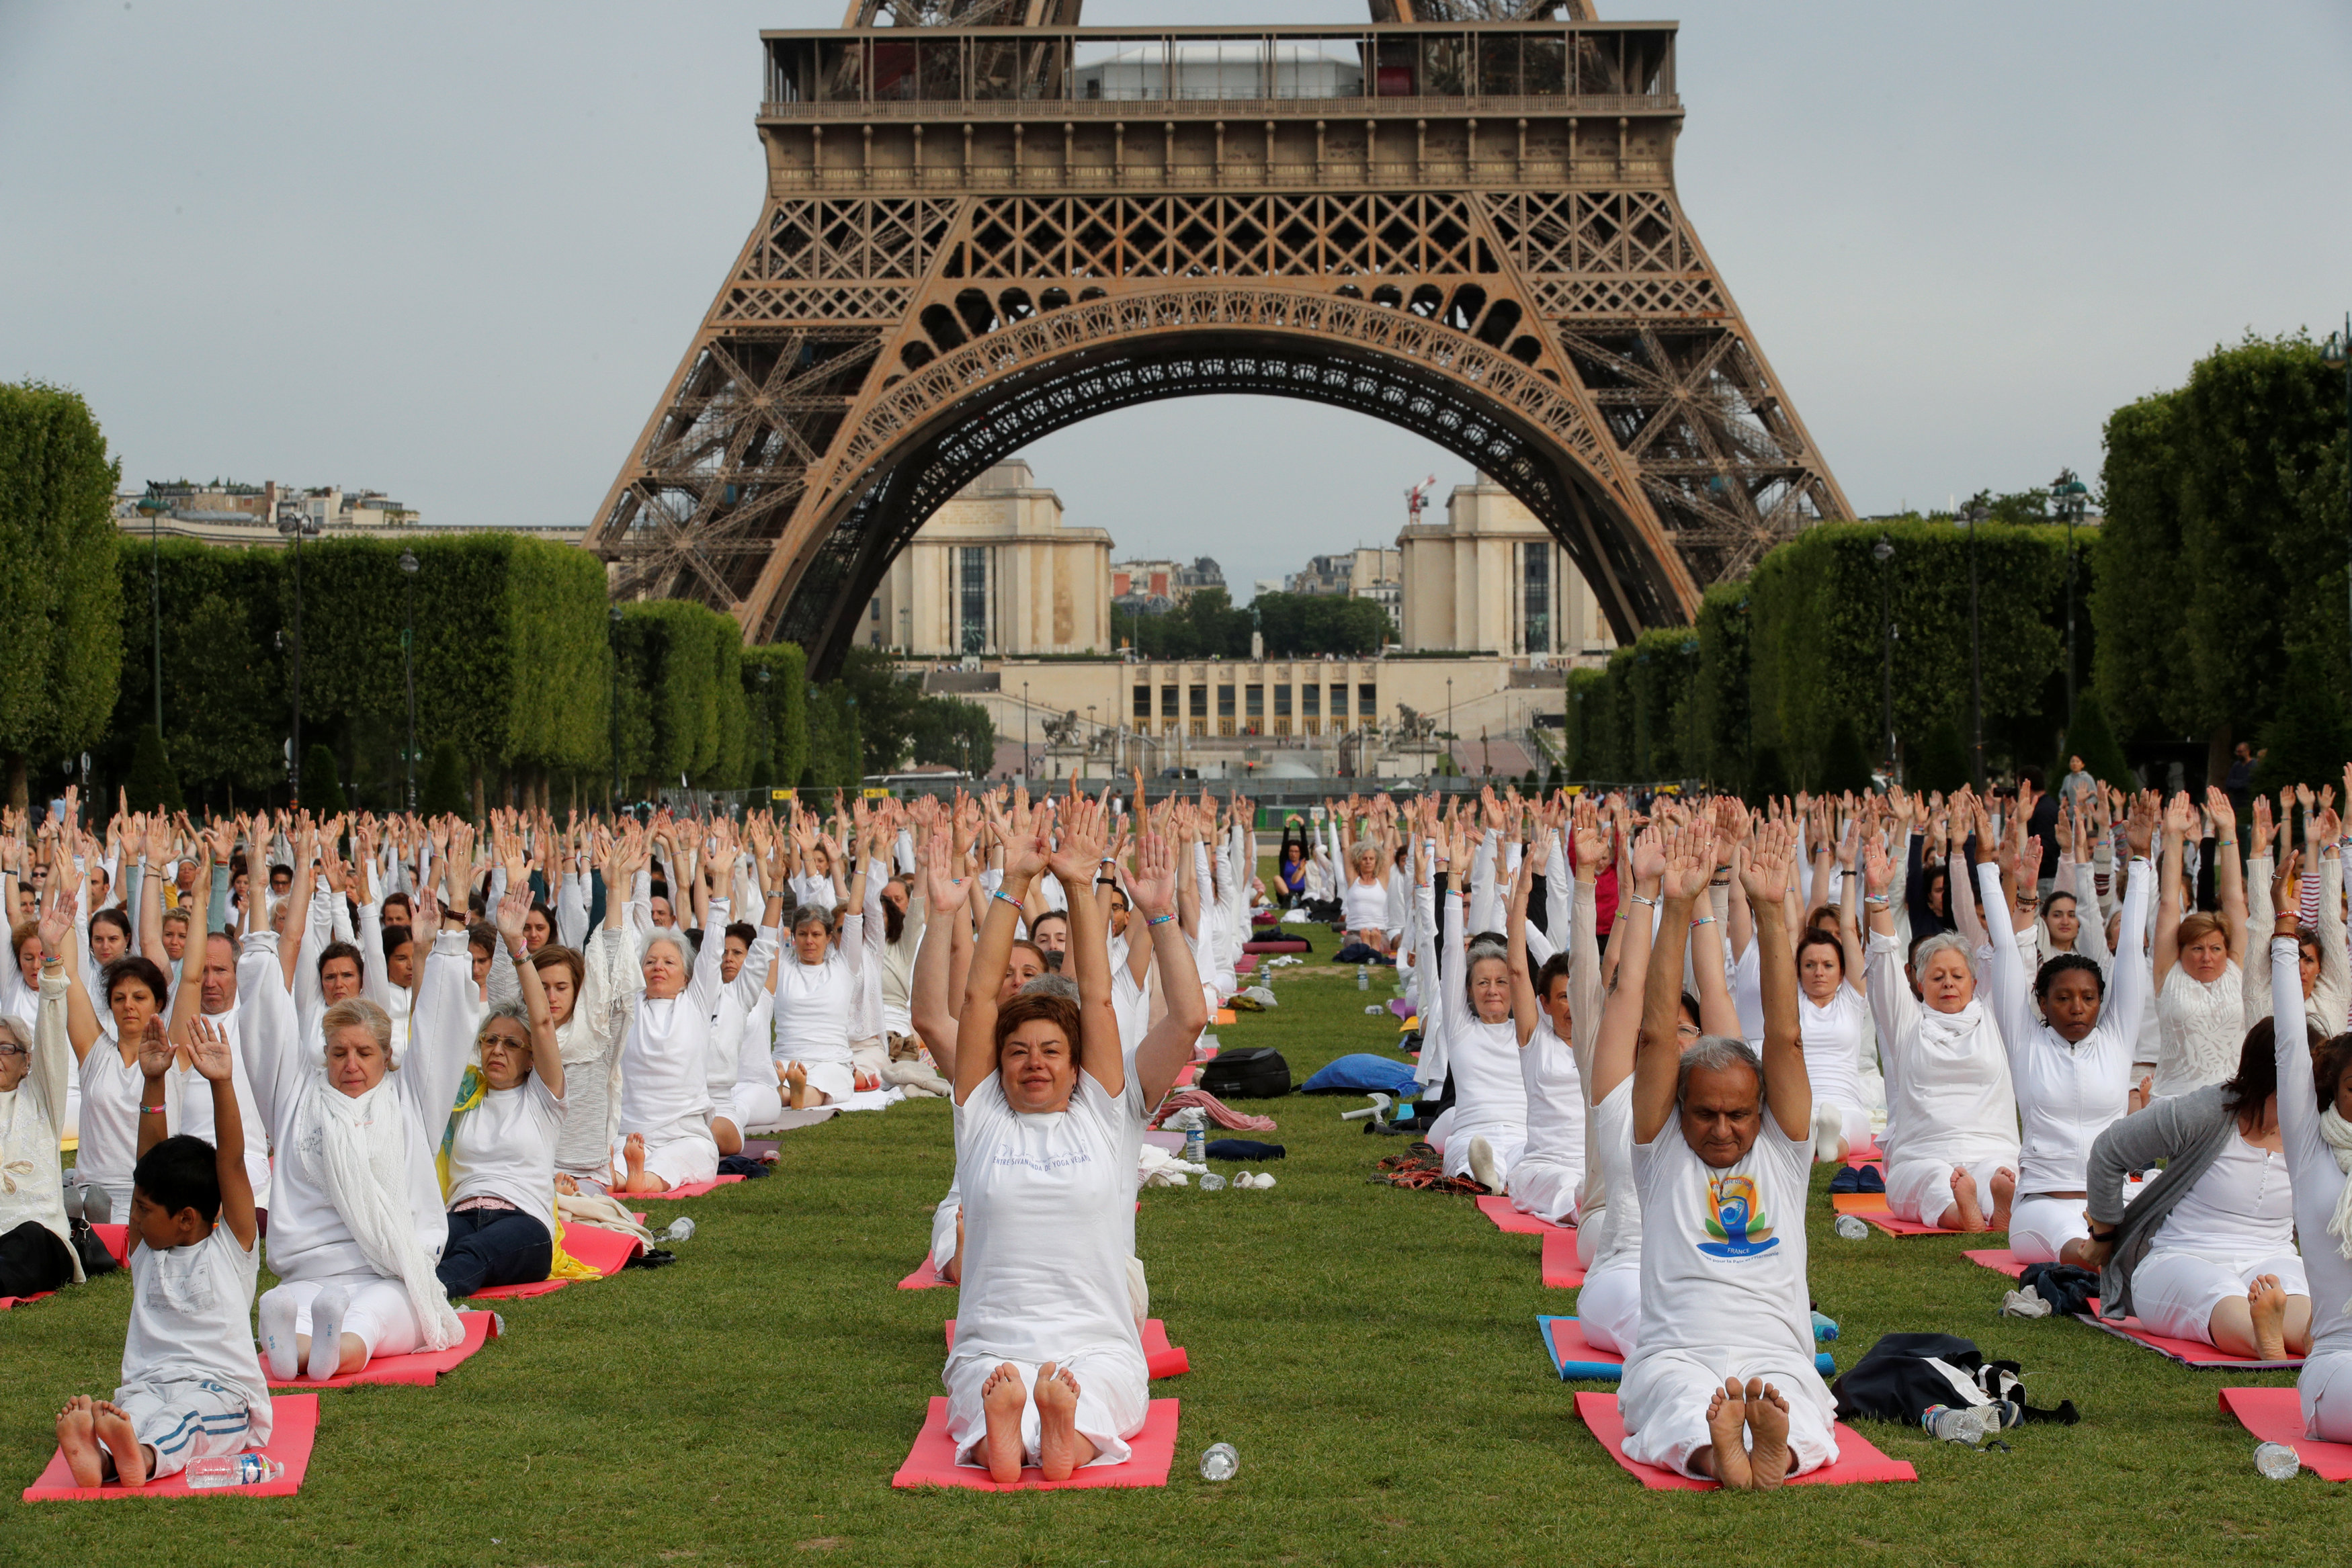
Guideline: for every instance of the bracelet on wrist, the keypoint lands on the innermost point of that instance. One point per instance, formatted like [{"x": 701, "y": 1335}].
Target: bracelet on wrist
[
  {"x": 150, "y": 1110},
  {"x": 1158, "y": 919},
  {"x": 1645, "y": 902}
]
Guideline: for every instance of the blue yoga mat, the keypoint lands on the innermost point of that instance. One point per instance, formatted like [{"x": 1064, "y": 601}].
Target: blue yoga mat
[{"x": 1563, "y": 1341}]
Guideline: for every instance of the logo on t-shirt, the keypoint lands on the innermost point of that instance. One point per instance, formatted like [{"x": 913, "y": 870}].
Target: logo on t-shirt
[{"x": 1741, "y": 1228}]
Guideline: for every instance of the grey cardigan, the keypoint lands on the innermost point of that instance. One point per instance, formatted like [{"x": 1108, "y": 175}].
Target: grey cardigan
[{"x": 2188, "y": 1133}]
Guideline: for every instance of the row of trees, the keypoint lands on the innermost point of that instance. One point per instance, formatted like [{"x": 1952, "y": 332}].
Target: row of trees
[
  {"x": 517, "y": 661},
  {"x": 1293, "y": 625},
  {"x": 2209, "y": 608}
]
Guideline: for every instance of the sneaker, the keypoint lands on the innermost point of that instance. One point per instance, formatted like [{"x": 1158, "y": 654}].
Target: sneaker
[{"x": 1483, "y": 1168}]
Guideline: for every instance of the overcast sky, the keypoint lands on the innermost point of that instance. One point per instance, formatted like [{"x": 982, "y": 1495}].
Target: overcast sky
[{"x": 454, "y": 251}]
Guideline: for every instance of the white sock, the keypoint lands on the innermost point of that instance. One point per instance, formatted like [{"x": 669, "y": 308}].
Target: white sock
[
  {"x": 327, "y": 1332},
  {"x": 277, "y": 1348},
  {"x": 1483, "y": 1166},
  {"x": 1828, "y": 1131}
]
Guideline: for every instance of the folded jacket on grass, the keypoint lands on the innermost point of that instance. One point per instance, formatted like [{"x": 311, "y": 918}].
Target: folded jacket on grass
[
  {"x": 422, "y": 1368},
  {"x": 1561, "y": 1272},
  {"x": 932, "y": 1461},
  {"x": 924, "y": 1278},
  {"x": 2188, "y": 1352},
  {"x": 293, "y": 1428},
  {"x": 1870, "y": 1208},
  {"x": 671, "y": 1195},
  {"x": 1160, "y": 1359},
  {"x": 1858, "y": 1459},
  {"x": 2275, "y": 1416},
  {"x": 1222, "y": 1114},
  {"x": 1510, "y": 1220},
  {"x": 1360, "y": 1073}
]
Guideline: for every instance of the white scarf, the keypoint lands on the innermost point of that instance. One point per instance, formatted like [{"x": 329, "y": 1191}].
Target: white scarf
[
  {"x": 363, "y": 1157},
  {"x": 2336, "y": 1133},
  {"x": 1948, "y": 1035}
]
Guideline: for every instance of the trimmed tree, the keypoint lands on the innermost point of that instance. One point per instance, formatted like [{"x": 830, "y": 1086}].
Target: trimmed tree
[
  {"x": 447, "y": 792},
  {"x": 152, "y": 786}
]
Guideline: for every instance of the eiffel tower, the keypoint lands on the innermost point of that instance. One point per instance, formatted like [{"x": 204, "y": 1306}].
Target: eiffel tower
[{"x": 984, "y": 222}]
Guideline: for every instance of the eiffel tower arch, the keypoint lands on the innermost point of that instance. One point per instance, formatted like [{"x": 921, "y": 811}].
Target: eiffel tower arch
[{"x": 984, "y": 222}]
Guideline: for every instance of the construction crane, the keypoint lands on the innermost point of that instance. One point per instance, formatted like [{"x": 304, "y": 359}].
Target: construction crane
[{"x": 1417, "y": 498}]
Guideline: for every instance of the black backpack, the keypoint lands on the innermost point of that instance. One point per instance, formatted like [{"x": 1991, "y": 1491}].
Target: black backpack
[{"x": 1247, "y": 1073}]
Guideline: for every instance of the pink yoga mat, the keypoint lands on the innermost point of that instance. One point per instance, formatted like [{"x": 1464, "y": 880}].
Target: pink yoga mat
[
  {"x": 523, "y": 1292},
  {"x": 1858, "y": 1459},
  {"x": 8, "y": 1302},
  {"x": 1512, "y": 1222},
  {"x": 117, "y": 1238},
  {"x": 2275, "y": 1416},
  {"x": 932, "y": 1461},
  {"x": 1561, "y": 1272},
  {"x": 1160, "y": 1359},
  {"x": 607, "y": 1251},
  {"x": 2189, "y": 1352},
  {"x": 1186, "y": 1074},
  {"x": 1870, "y": 1208},
  {"x": 925, "y": 1277},
  {"x": 421, "y": 1367},
  {"x": 1999, "y": 1259},
  {"x": 1869, "y": 1154},
  {"x": 692, "y": 1189},
  {"x": 293, "y": 1427}
]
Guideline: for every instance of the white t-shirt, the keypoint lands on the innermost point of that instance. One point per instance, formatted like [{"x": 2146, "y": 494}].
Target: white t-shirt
[
  {"x": 1723, "y": 1251},
  {"x": 664, "y": 1081},
  {"x": 1612, "y": 1127},
  {"x": 1365, "y": 905},
  {"x": 1049, "y": 1221},
  {"x": 190, "y": 1095},
  {"x": 110, "y": 1115},
  {"x": 1554, "y": 1100},
  {"x": 1832, "y": 1036},
  {"x": 505, "y": 1148},
  {"x": 192, "y": 1317},
  {"x": 2240, "y": 1209},
  {"x": 1948, "y": 1095},
  {"x": 813, "y": 1007}
]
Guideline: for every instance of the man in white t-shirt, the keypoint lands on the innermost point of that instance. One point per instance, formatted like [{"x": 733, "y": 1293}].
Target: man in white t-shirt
[{"x": 1722, "y": 1385}]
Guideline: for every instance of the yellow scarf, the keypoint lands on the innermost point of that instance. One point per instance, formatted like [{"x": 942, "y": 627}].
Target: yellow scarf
[{"x": 562, "y": 1265}]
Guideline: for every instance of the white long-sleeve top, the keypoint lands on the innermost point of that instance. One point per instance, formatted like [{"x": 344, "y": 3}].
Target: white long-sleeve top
[
  {"x": 2066, "y": 1094},
  {"x": 813, "y": 1002},
  {"x": 2331, "y": 990},
  {"x": 32, "y": 1125},
  {"x": 590, "y": 1043},
  {"x": 1948, "y": 1095},
  {"x": 866, "y": 1020},
  {"x": 308, "y": 1238},
  {"x": 2316, "y": 1179},
  {"x": 738, "y": 1000},
  {"x": 1488, "y": 1090},
  {"x": 665, "y": 1088}
]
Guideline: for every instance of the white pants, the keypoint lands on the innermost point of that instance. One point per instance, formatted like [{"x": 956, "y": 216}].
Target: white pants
[
  {"x": 1610, "y": 1305},
  {"x": 1921, "y": 1190},
  {"x": 1853, "y": 1123},
  {"x": 1546, "y": 1188},
  {"x": 749, "y": 1106},
  {"x": 1664, "y": 1398},
  {"x": 2175, "y": 1292},
  {"x": 831, "y": 1080},
  {"x": 943, "y": 1229},
  {"x": 1592, "y": 1230},
  {"x": 191, "y": 1419},
  {"x": 681, "y": 1157},
  {"x": 1114, "y": 1393},
  {"x": 379, "y": 1314},
  {"x": 2326, "y": 1385},
  {"x": 2040, "y": 1227},
  {"x": 1505, "y": 1141}
]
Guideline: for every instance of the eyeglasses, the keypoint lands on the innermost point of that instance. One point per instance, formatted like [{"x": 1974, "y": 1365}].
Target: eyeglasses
[{"x": 8, "y": 1049}]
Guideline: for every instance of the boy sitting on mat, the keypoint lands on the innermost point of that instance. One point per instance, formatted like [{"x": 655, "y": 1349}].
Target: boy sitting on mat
[
  {"x": 192, "y": 1384},
  {"x": 1721, "y": 1385}
]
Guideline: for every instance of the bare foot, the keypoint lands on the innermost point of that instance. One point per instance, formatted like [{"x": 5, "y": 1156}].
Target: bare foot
[
  {"x": 1060, "y": 1448},
  {"x": 2267, "y": 1300},
  {"x": 114, "y": 1429},
  {"x": 2004, "y": 1193},
  {"x": 77, "y": 1440},
  {"x": 1964, "y": 1198},
  {"x": 1768, "y": 1430},
  {"x": 633, "y": 1154},
  {"x": 1002, "y": 1397},
  {"x": 864, "y": 1082},
  {"x": 567, "y": 1187},
  {"x": 1726, "y": 1424},
  {"x": 796, "y": 1083}
]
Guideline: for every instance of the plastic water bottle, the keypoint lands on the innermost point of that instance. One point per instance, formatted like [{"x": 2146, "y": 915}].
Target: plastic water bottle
[
  {"x": 1213, "y": 1181},
  {"x": 1824, "y": 1329},
  {"x": 1196, "y": 1139},
  {"x": 1363, "y": 977},
  {"x": 2276, "y": 1461},
  {"x": 1220, "y": 1462},
  {"x": 1851, "y": 1228},
  {"x": 680, "y": 1230},
  {"x": 255, "y": 1469},
  {"x": 1953, "y": 1425}
]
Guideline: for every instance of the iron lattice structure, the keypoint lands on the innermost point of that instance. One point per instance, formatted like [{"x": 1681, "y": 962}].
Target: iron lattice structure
[{"x": 984, "y": 224}]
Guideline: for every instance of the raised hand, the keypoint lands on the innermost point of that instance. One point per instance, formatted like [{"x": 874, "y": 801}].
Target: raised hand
[
  {"x": 1690, "y": 861},
  {"x": 512, "y": 908},
  {"x": 1152, "y": 884},
  {"x": 1648, "y": 856},
  {"x": 1765, "y": 873},
  {"x": 1878, "y": 870},
  {"x": 207, "y": 1046},
  {"x": 155, "y": 1049},
  {"x": 2181, "y": 816}
]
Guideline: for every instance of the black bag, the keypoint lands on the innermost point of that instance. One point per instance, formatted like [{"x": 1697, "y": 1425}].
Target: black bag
[
  {"x": 2067, "y": 1289},
  {"x": 1247, "y": 1073},
  {"x": 96, "y": 1261},
  {"x": 1904, "y": 1374}
]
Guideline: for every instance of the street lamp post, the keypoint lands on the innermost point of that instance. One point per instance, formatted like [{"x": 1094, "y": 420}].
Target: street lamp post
[
  {"x": 1449, "y": 725},
  {"x": 1093, "y": 731},
  {"x": 2337, "y": 350},
  {"x": 153, "y": 506},
  {"x": 1025, "y": 732},
  {"x": 1972, "y": 516},
  {"x": 613, "y": 641},
  {"x": 2072, "y": 498},
  {"x": 294, "y": 521},
  {"x": 408, "y": 565},
  {"x": 1882, "y": 553}
]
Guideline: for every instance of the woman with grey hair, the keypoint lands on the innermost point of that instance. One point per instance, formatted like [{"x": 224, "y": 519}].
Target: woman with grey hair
[
  {"x": 1484, "y": 1133},
  {"x": 1951, "y": 1123},
  {"x": 498, "y": 1154},
  {"x": 665, "y": 1092}
]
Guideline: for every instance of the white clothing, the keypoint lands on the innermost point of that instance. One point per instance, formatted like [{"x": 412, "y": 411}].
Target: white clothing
[
  {"x": 32, "y": 1126},
  {"x": 1490, "y": 1098},
  {"x": 1722, "y": 1294},
  {"x": 943, "y": 1229},
  {"x": 1949, "y": 1097},
  {"x": 732, "y": 1032},
  {"x": 2204, "y": 1029},
  {"x": 188, "y": 1094},
  {"x": 505, "y": 1148},
  {"x": 191, "y": 1420},
  {"x": 1832, "y": 1034},
  {"x": 590, "y": 1043},
  {"x": 2325, "y": 1381},
  {"x": 813, "y": 1003},
  {"x": 1364, "y": 907},
  {"x": 1620, "y": 1235},
  {"x": 1113, "y": 1400},
  {"x": 1609, "y": 1306},
  {"x": 379, "y": 1312},
  {"x": 2066, "y": 1094},
  {"x": 2040, "y": 1228},
  {"x": 2175, "y": 1292},
  {"x": 665, "y": 1087},
  {"x": 1551, "y": 1166},
  {"x": 2240, "y": 1208},
  {"x": 191, "y": 1318},
  {"x": 1048, "y": 1204},
  {"x": 111, "y": 1090}
]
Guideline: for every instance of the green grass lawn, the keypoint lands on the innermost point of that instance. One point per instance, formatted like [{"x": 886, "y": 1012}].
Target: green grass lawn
[{"x": 1372, "y": 1353}]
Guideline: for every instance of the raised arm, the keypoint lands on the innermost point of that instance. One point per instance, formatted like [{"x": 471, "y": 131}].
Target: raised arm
[
  {"x": 1083, "y": 833},
  {"x": 59, "y": 954},
  {"x": 2179, "y": 819},
  {"x": 2298, "y": 1097},
  {"x": 1025, "y": 854},
  {"x": 217, "y": 1062},
  {"x": 1657, "y": 1062},
  {"x": 2229, "y": 875},
  {"x": 546, "y": 1054},
  {"x": 1787, "y": 1090},
  {"x": 1527, "y": 1013},
  {"x": 1618, "y": 1035}
]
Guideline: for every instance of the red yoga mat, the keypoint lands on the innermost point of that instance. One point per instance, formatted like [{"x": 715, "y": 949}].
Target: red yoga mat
[
  {"x": 293, "y": 1428},
  {"x": 8, "y": 1302},
  {"x": 1999, "y": 1259},
  {"x": 932, "y": 1461},
  {"x": 925, "y": 1277},
  {"x": 2189, "y": 1352},
  {"x": 1869, "y": 1154},
  {"x": 1512, "y": 1222},
  {"x": 607, "y": 1251},
  {"x": 1160, "y": 1358},
  {"x": 1870, "y": 1208},
  {"x": 1858, "y": 1459},
  {"x": 421, "y": 1368},
  {"x": 1561, "y": 1272},
  {"x": 2275, "y": 1416},
  {"x": 671, "y": 1195},
  {"x": 117, "y": 1240}
]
